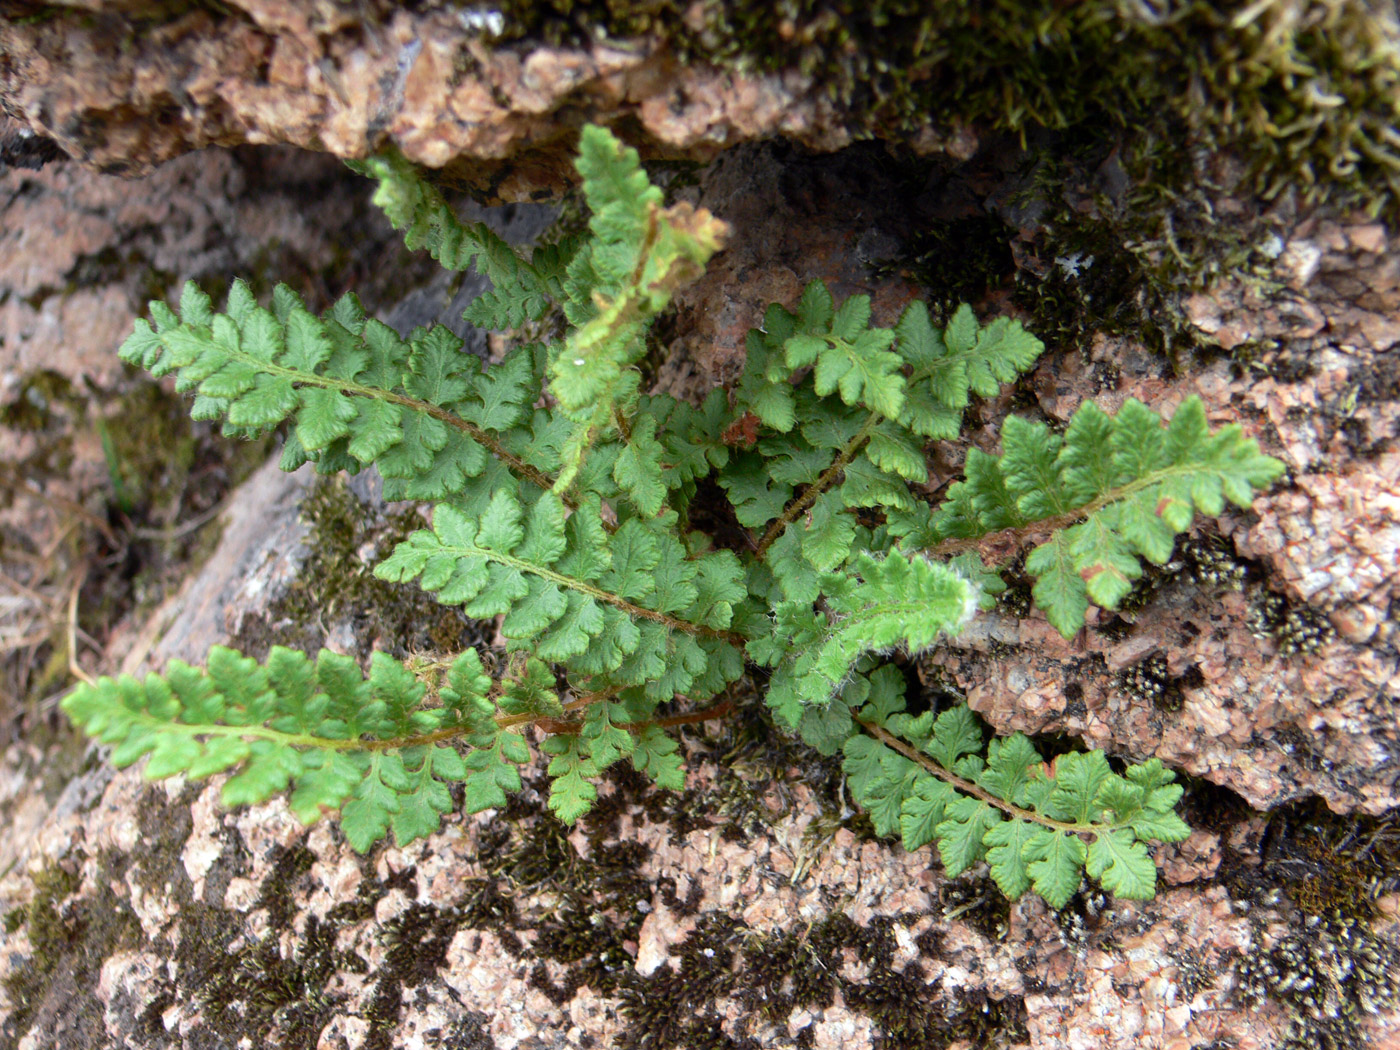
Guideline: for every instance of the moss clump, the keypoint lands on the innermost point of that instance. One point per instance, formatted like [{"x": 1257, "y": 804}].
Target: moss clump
[
  {"x": 1213, "y": 564},
  {"x": 248, "y": 987},
  {"x": 1296, "y": 629},
  {"x": 774, "y": 974},
  {"x": 1305, "y": 93},
  {"x": 1334, "y": 863},
  {"x": 963, "y": 258},
  {"x": 258, "y": 989},
  {"x": 70, "y": 936},
  {"x": 1325, "y": 965},
  {"x": 335, "y": 585},
  {"x": 1329, "y": 973},
  {"x": 1149, "y": 681},
  {"x": 1116, "y": 212}
]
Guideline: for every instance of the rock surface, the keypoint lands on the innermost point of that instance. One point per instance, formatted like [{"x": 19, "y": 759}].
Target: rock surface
[
  {"x": 124, "y": 98},
  {"x": 646, "y": 927},
  {"x": 753, "y": 908}
]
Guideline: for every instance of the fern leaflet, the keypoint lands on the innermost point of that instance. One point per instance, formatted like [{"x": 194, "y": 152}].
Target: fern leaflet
[
  {"x": 521, "y": 290},
  {"x": 366, "y": 746},
  {"x": 610, "y": 608},
  {"x": 355, "y": 392}
]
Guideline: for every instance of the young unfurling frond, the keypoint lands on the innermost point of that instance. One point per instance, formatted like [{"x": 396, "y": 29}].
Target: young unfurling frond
[
  {"x": 881, "y": 604},
  {"x": 638, "y": 256}
]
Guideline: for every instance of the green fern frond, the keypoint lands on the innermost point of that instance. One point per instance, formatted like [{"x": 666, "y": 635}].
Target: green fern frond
[
  {"x": 846, "y": 354},
  {"x": 370, "y": 747},
  {"x": 1131, "y": 482},
  {"x": 897, "y": 389},
  {"x": 600, "y": 604},
  {"x": 864, "y": 363},
  {"x": 565, "y": 503},
  {"x": 895, "y": 601},
  {"x": 1040, "y": 827},
  {"x": 420, "y": 409},
  {"x": 334, "y": 738},
  {"x": 522, "y": 291},
  {"x": 963, "y": 359},
  {"x": 572, "y": 772}
]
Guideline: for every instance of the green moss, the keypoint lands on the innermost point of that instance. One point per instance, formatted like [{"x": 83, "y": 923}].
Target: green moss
[
  {"x": 70, "y": 936},
  {"x": 32, "y": 407},
  {"x": 1066, "y": 234},
  {"x": 1325, "y": 964},
  {"x": 964, "y": 259},
  {"x": 1333, "y": 862},
  {"x": 248, "y": 987},
  {"x": 1303, "y": 93},
  {"x": 1329, "y": 973},
  {"x": 335, "y": 584},
  {"x": 1121, "y": 174}
]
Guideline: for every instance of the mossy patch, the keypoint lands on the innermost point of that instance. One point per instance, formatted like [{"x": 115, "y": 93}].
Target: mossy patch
[
  {"x": 772, "y": 975},
  {"x": 270, "y": 988},
  {"x": 70, "y": 936},
  {"x": 258, "y": 990},
  {"x": 1129, "y": 191},
  {"x": 1326, "y": 965},
  {"x": 1303, "y": 93},
  {"x": 1295, "y": 627},
  {"x": 1332, "y": 862},
  {"x": 964, "y": 259},
  {"x": 335, "y": 585}
]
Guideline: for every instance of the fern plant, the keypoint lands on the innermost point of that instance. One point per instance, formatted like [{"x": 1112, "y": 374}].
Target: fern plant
[{"x": 562, "y": 500}]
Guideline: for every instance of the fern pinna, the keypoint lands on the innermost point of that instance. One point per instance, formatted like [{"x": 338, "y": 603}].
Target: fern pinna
[{"x": 561, "y": 503}]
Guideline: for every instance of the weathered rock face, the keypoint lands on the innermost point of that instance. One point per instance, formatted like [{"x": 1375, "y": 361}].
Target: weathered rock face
[
  {"x": 182, "y": 926},
  {"x": 752, "y": 908},
  {"x": 739, "y": 910},
  {"x": 79, "y": 256},
  {"x": 124, "y": 96}
]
